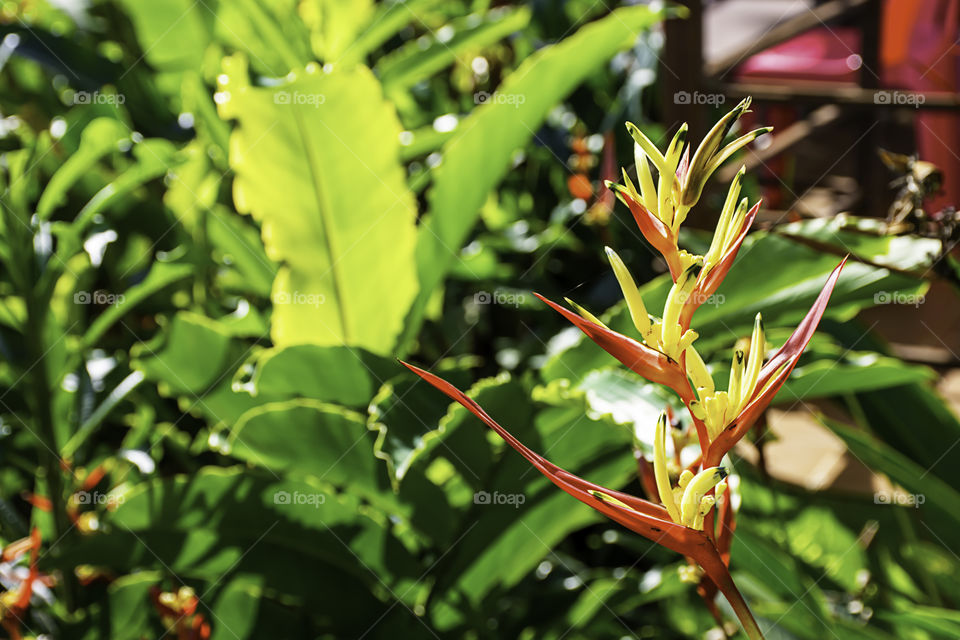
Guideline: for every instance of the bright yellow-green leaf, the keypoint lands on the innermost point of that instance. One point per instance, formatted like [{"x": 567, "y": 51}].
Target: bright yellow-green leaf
[{"x": 316, "y": 164}]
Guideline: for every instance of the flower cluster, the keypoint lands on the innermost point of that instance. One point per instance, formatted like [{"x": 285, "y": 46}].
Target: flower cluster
[
  {"x": 178, "y": 611},
  {"x": 22, "y": 582},
  {"x": 681, "y": 511}
]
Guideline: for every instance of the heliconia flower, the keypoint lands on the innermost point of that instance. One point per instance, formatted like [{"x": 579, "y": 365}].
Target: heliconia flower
[
  {"x": 710, "y": 156},
  {"x": 685, "y": 507},
  {"x": 646, "y": 518},
  {"x": 731, "y": 231},
  {"x": 660, "y": 236},
  {"x": 639, "y": 358},
  {"x": 773, "y": 374}
]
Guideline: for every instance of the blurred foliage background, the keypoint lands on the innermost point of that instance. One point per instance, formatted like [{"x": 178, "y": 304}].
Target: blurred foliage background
[{"x": 222, "y": 221}]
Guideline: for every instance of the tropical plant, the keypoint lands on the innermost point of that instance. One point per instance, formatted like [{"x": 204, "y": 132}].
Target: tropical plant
[
  {"x": 222, "y": 222},
  {"x": 682, "y": 513}
]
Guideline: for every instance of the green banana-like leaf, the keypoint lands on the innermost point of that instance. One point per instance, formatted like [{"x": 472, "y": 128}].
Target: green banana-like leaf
[
  {"x": 414, "y": 62},
  {"x": 316, "y": 164},
  {"x": 479, "y": 156}
]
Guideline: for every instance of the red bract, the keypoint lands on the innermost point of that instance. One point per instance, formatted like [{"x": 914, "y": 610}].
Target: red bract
[
  {"x": 774, "y": 373},
  {"x": 639, "y": 358},
  {"x": 641, "y": 516}
]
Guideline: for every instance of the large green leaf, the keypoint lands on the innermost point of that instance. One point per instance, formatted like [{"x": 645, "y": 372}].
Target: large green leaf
[
  {"x": 312, "y": 439},
  {"x": 849, "y": 373},
  {"x": 330, "y": 374},
  {"x": 195, "y": 360},
  {"x": 930, "y": 493},
  {"x": 175, "y": 34},
  {"x": 390, "y": 17},
  {"x": 866, "y": 238},
  {"x": 316, "y": 164},
  {"x": 774, "y": 276},
  {"x": 917, "y": 422},
  {"x": 480, "y": 154},
  {"x": 418, "y": 59},
  {"x": 249, "y": 504}
]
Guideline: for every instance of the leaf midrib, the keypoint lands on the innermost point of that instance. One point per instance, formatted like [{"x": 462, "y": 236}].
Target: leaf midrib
[{"x": 325, "y": 223}]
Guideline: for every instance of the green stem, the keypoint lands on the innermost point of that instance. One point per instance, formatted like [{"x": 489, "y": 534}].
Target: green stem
[
  {"x": 717, "y": 571},
  {"x": 40, "y": 386}
]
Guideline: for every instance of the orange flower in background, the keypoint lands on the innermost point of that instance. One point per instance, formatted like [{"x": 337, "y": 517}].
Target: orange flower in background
[
  {"x": 685, "y": 506},
  {"x": 178, "y": 612},
  {"x": 15, "y": 601}
]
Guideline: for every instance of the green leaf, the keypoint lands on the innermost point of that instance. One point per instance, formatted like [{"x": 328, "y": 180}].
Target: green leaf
[
  {"x": 421, "y": 58},
  {"x": 854, "y": 372},
  {"x": 313, "y": 439},
  {"x": 390, "y": 17},
  {"x": 914, "y": 420},
  {"x": 627, "y": 399},
  {"x": 238, "y": 247},
  {"x": 772, "y": 275},
  {"x": 296, "y": 514},
  {"x": 162, "y": 274},
  {"x": 334, "y": 25},
  {"x": 173, "y": 33},
  {"x": 236, "y": 607},
  {"x": 879, "y": 456},
  {"x": 479, "y": 156},
  {"x": 329, "y": 374},
  {"x": 407, "y": 416},
  {"x": 194, "y": 360},
  {"x": 130, "y": 606},
  {"x": 192, "y": 357},
  {"x": 317, "y": 166},
  {"x": 99, "y": 137},
  {"x": 867, "y": 238}
]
